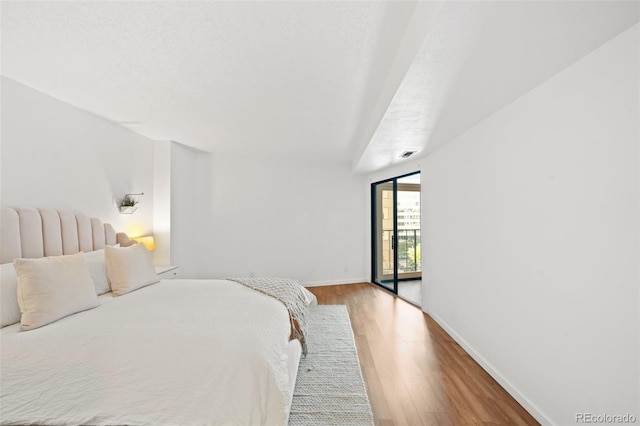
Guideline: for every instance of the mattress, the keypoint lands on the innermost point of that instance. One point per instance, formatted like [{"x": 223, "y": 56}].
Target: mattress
[{"x": 176, "y": 352}]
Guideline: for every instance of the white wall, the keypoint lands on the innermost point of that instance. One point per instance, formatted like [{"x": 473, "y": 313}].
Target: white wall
[
  {"x": 531, "y": 239},
  {"x": 191, "y": 225},
  {"x": 162, "y": 202},
  {"x": 275, "y": 217},
  {"x": 53, "y": 155}
]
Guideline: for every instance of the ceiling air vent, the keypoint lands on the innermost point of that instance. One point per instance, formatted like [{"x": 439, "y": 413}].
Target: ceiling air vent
[{"x": 407, "y": 154}]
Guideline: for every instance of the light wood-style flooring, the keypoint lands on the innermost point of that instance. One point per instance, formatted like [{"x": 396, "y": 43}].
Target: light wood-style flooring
[{"x": 415, "y": 373}]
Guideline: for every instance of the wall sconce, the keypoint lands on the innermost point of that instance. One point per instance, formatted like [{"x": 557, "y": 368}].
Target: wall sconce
[
  {"x": 127, "y": 204},
  {"x": 148, "y": 242}
]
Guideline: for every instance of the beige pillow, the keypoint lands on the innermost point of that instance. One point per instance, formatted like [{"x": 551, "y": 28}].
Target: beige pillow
[
  {"x": 9, "y": 309},
  {"x": 129, "y": 268},
  {"x": 51, "y": 288}
]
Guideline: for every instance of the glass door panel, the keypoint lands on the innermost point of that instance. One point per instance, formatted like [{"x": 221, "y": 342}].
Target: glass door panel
[
  {"x": 408, "y": 236},
  {"x": 384, "y": 235}
]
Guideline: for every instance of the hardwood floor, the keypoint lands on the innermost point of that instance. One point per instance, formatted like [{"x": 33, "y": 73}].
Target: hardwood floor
[{"x": 415, "y": 373}]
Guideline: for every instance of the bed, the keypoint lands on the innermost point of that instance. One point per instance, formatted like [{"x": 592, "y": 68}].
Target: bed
[{"x": 173, "y": 352}]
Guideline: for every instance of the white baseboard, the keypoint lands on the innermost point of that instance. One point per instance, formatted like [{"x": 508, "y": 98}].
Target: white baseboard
[
  {"x": 493, "y": 372},
  {"x": 335, "y": 282}
]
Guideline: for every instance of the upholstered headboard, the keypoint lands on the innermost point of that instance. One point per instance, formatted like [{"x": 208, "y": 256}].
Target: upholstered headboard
[{"x": 32, "y": 233}]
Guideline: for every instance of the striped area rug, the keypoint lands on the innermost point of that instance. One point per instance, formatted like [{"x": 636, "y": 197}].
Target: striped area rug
[{"x": 329, "y": 389}]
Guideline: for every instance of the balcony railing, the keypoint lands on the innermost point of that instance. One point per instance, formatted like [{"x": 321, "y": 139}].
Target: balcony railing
[{"x": 408, "y": 247}]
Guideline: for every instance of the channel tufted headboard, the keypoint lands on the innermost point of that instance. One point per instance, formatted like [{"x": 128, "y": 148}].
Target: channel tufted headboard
[{"x": 32, "y": 233}]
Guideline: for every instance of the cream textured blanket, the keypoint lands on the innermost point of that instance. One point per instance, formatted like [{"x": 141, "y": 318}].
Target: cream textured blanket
[{"x": 293, "y": 295}]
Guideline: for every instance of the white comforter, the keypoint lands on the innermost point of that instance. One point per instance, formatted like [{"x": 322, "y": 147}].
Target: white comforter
[{"x": 180, "y": 352}]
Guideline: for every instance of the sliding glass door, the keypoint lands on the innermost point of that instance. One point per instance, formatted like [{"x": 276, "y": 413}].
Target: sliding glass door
[{"x": 396, "y": 243}]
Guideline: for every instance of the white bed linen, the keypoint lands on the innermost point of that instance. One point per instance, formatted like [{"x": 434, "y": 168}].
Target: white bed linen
[{"x": 180, "y": 352}]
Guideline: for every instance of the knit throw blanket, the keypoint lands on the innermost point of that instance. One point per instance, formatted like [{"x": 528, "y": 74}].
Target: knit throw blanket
[{"x": 289, "y": 292}]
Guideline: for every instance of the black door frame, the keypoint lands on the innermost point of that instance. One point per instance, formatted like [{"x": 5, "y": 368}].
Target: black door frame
[{"x": 374, "y": 224}]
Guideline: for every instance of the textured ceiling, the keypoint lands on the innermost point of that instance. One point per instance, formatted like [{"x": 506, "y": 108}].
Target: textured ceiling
[
  {"x": 479, "y": 57},
  {"x": 324, "y": 80},
  {"x": 290, "y": 78}
]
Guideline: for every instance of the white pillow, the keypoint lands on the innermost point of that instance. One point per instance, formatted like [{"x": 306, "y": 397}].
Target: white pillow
[
  {"x": 9, "y": 309},
  {"x": 51, "y": 288},
  {"x": 129, "y": 268},
  {"x": 98, "y": 270}
]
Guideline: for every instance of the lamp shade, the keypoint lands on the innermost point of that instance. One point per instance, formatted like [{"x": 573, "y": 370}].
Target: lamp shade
[{"x": 148, "y": 242}]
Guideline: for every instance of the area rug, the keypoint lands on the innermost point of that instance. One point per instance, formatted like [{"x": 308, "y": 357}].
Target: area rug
[{"x": 329, "y": 389}]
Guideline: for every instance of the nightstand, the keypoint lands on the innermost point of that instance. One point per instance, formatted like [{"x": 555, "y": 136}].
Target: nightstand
[{"x": 167, "y": 272}]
